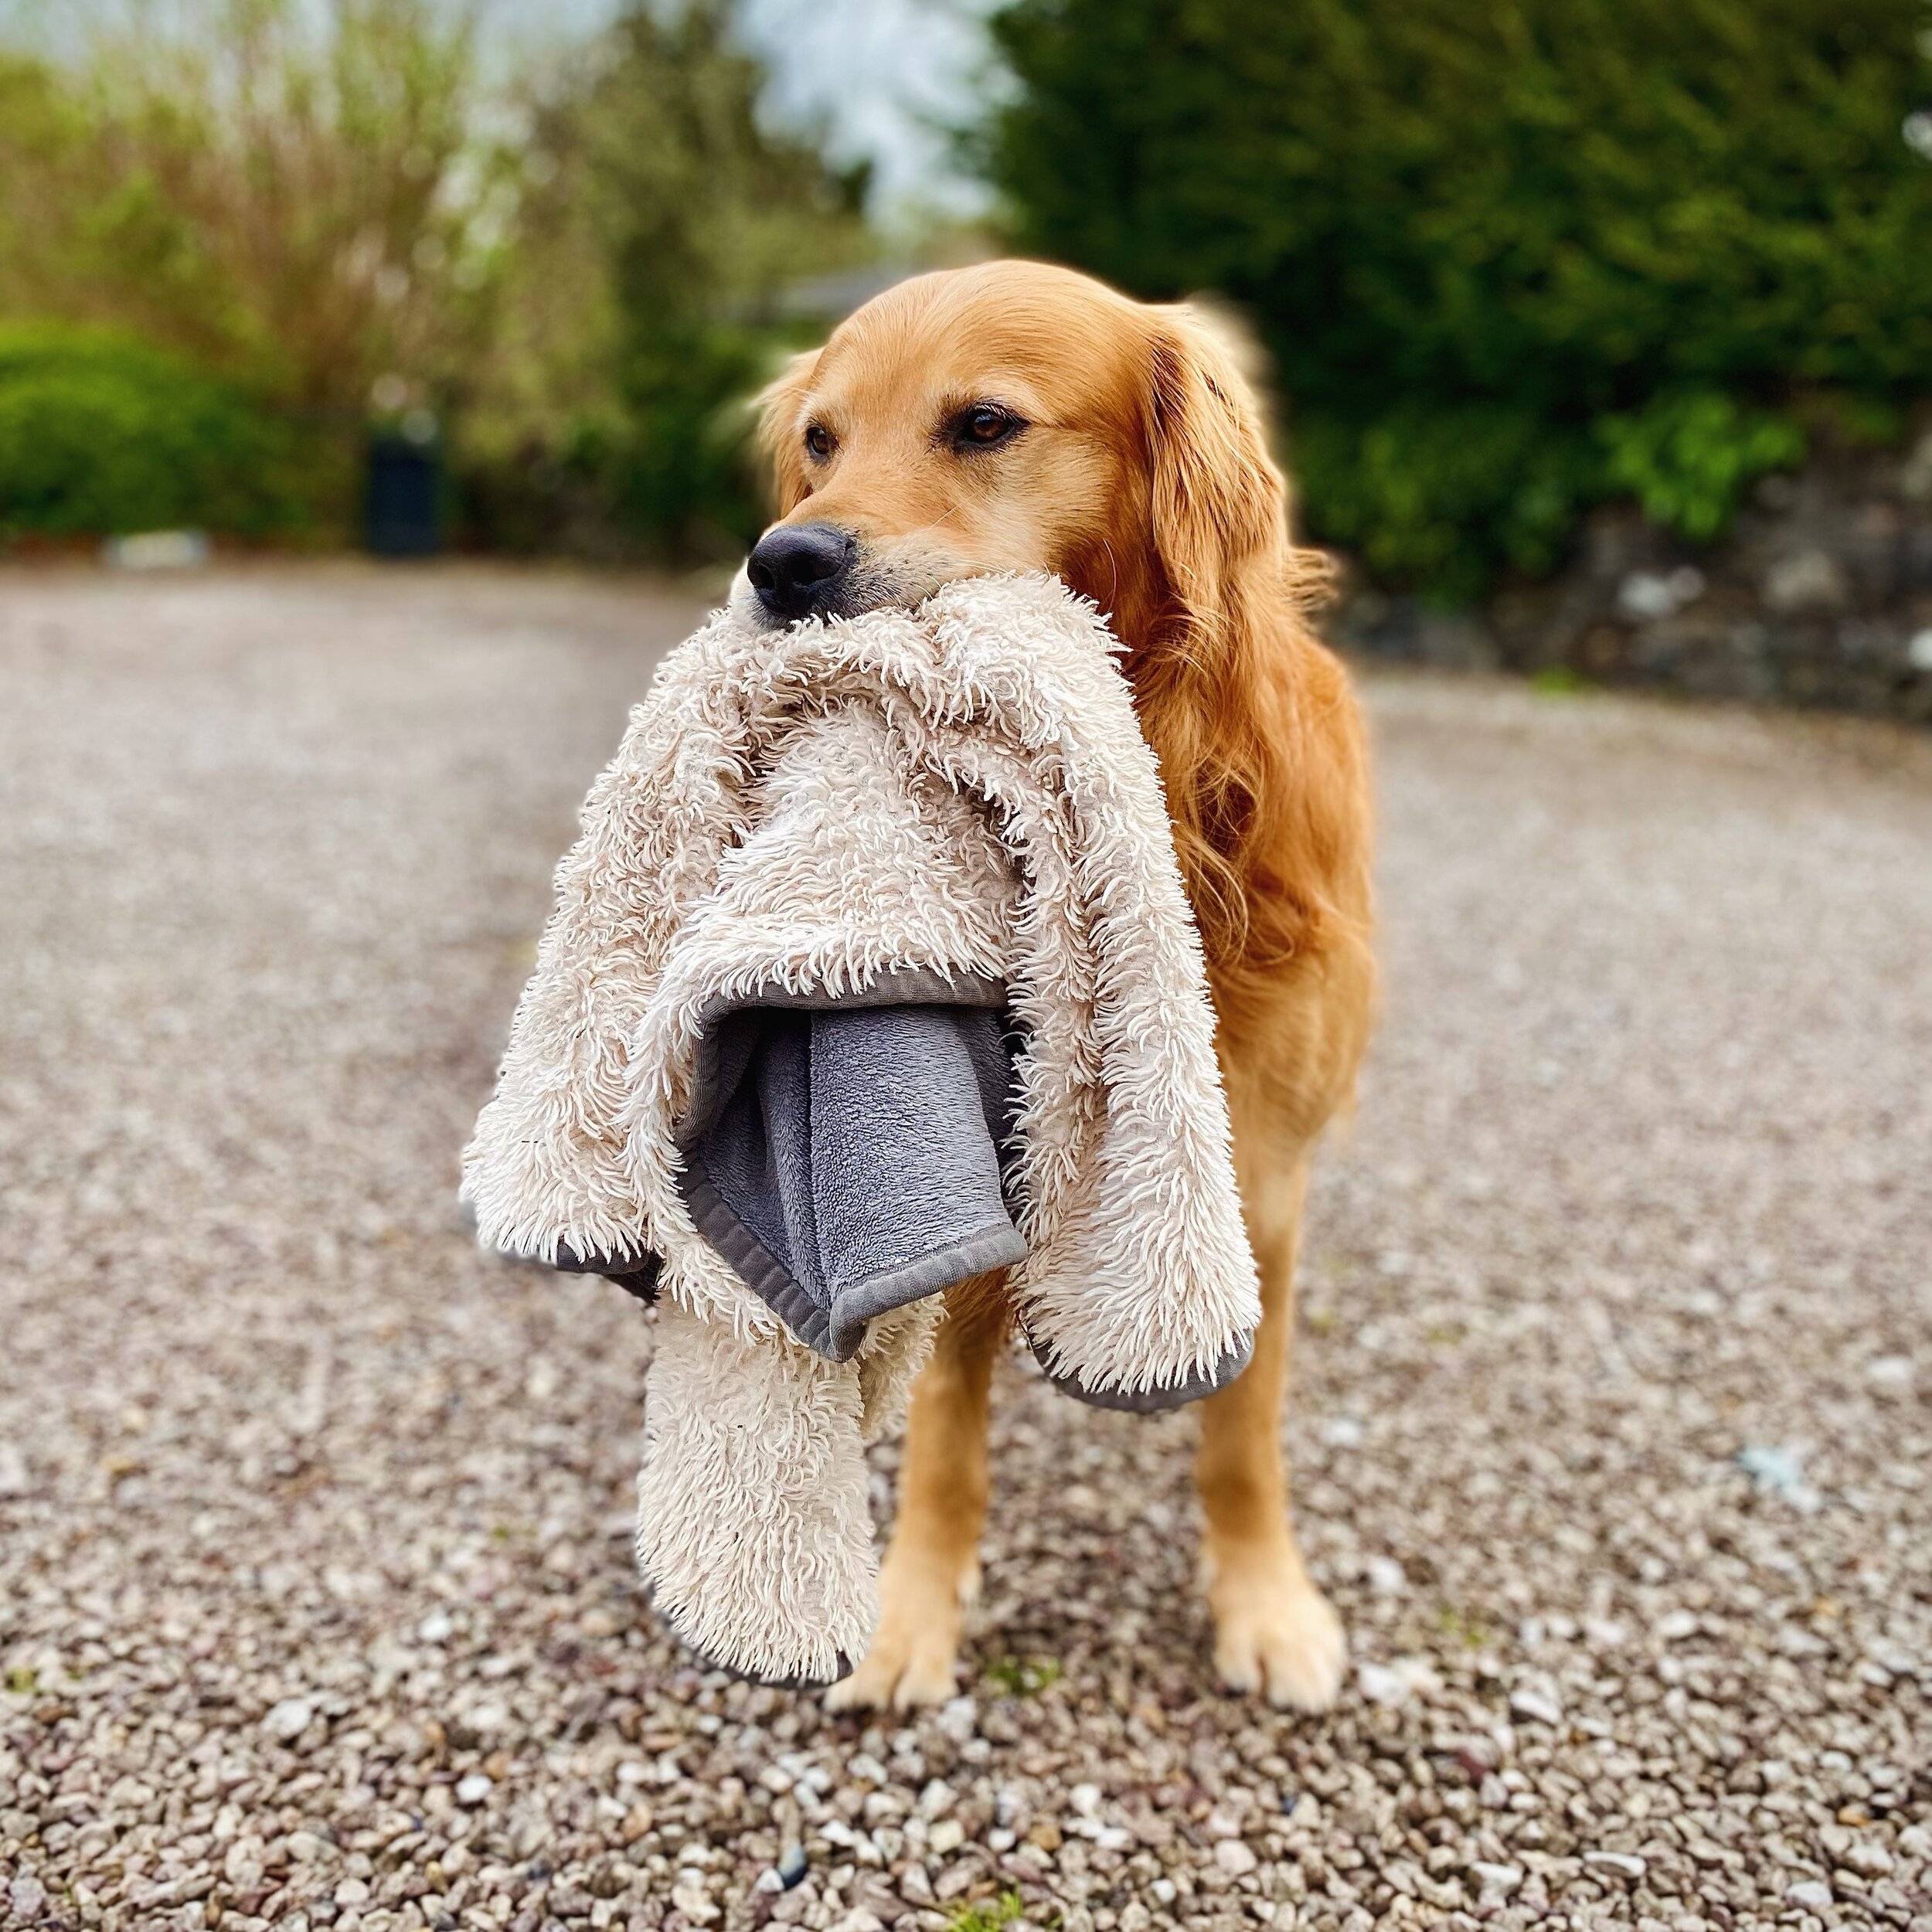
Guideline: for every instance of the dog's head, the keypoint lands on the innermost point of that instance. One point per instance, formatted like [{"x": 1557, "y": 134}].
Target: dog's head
[{"x": 1017, "y": 416}]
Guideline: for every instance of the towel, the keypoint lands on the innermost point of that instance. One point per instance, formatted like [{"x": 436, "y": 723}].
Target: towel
[{"x": 872, "y": 969}]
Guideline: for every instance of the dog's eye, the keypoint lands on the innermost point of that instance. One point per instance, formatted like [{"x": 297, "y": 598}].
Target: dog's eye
[
  {"x": 818, "y": 440},
  {"x": 983, "y": 425}
]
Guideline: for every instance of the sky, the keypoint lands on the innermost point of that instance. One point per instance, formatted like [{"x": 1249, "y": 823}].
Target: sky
[{"x": 883, "y": 76}]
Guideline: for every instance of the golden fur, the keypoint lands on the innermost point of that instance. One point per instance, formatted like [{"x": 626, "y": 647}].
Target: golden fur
[{"x": 1140, "y": 474}]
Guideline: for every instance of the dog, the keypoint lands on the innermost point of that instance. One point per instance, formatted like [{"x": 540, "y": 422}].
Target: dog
[{"x": 1014, "y": 415}]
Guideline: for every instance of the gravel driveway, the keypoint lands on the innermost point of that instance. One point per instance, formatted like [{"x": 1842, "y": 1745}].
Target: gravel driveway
[{"x": 316, "y": 1606}]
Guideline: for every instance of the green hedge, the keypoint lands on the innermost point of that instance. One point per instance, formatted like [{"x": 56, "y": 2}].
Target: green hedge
[
  {"x": 1510, "y": 260},
  {"x": 101, "y": 434}
]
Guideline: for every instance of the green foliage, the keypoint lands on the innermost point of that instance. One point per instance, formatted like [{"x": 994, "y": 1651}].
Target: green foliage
[
  {"x": 1558, "y": 681},
  {"x": 285, "y": 197},
  {"x": 1509, "y": 259},
  {"x": 670, "y": 217},
  {"x": 989, "y": 1914},
  {"x": 100, "y": 433},
  {"x": 1407, "y": 485},
  {"x": 1687, "y": 456},
  {"x": 1025, "y": 1676},
  {"x": 271, "y": 188},
  {"x": 319, "y": 204}
]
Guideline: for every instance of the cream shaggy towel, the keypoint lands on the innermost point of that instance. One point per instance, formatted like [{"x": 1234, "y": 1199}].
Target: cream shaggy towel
[{"x": 956, "y": 797}]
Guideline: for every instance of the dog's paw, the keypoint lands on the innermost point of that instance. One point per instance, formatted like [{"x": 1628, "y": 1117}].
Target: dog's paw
[
  {"x": 905, "y": 1668},
  {"x": 914, "y": 1652},
  {"x": 1275, "y": 1633}
]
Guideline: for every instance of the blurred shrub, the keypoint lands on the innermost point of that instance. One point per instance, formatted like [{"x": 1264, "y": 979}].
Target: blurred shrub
[
  {"x": 321, "y": 205},
  {"x": 289, "y": 193},
  {"x": 1436, "y": 492},
  {"x": 99, "y": 433},
  {"x": 1510, "y": 259},
  {"x": 658, "y": 220},
  {"x": 289, "y": 197},
  {"x": 1687, "y": 456}
]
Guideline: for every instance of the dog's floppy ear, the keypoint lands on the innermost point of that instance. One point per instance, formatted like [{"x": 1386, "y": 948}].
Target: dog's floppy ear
[
  {"x": 1225, "y": 675},
  {"x": 1218, "y": 503},
  {"x": 777, "y": 405}
]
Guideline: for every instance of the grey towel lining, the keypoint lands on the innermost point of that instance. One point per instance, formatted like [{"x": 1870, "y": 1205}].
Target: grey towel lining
[
  {"x": 895, "y": 986},
  {"x": 837, "y": 1332}
]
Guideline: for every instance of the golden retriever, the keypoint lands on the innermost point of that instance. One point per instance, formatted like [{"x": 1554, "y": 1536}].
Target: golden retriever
[{"x": 1017, "y": 416}]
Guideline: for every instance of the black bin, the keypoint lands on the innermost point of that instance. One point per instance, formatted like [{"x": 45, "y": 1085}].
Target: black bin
[{"x": 405, "y": 493}]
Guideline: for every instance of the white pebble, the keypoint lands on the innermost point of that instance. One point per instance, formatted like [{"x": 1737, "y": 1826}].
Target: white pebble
[
  {"x": 1889, "y": 1376},
  {"x": 1380, "y": 1685},
  {"x": 1234, "y": 1858},
  {"x": 1538, "y": 1707},
  {"x": 1419, "y": 1674},
  {"x": 958, "y": 1719},
  {"x": 1814, "y": 1895},
  {"x": 1386, "y": 1577},
  {"x": 289, "y": 1719},
  {"x": 1626, "y": 1864},
  {"x": 473, "y": 1789},
  {"x": 946, "y": 1836},
  {"x": 693, "y": 1904}
]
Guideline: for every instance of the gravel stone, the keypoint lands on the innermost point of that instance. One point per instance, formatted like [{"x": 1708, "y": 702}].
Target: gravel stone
[
  {"x": 1637, "y": 1187},
  {"x": 289, "y": 1719}
]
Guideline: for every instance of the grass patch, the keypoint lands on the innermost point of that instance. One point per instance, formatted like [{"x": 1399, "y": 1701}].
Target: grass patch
[
  {"x": 1558, "y": 681},
  {"x": 1024, "y": 1677},
  {"x": 988, "y": 1915},
  {"x": 1460, "y": 1627}
]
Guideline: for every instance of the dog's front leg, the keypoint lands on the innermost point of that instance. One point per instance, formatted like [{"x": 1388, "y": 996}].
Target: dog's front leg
[
  {"x": 1273, "y": 1630},
  {"x": 931, "y": 1570}
]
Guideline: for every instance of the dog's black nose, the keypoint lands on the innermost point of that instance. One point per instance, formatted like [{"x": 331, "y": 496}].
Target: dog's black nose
[{"x": 797, "y": 568}]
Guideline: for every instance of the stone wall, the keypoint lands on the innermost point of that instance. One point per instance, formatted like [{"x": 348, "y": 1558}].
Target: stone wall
[{"x": 1821, "y": 594}]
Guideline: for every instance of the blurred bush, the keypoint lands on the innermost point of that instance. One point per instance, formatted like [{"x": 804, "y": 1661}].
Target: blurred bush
[
  {"x": 286, "y": 197},
  {"x": 99, "y": 433},
  {"x": 658, "y": 223},
  {"x": 1510, "y": 260},
  {"x": 323, "y": 212}
]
